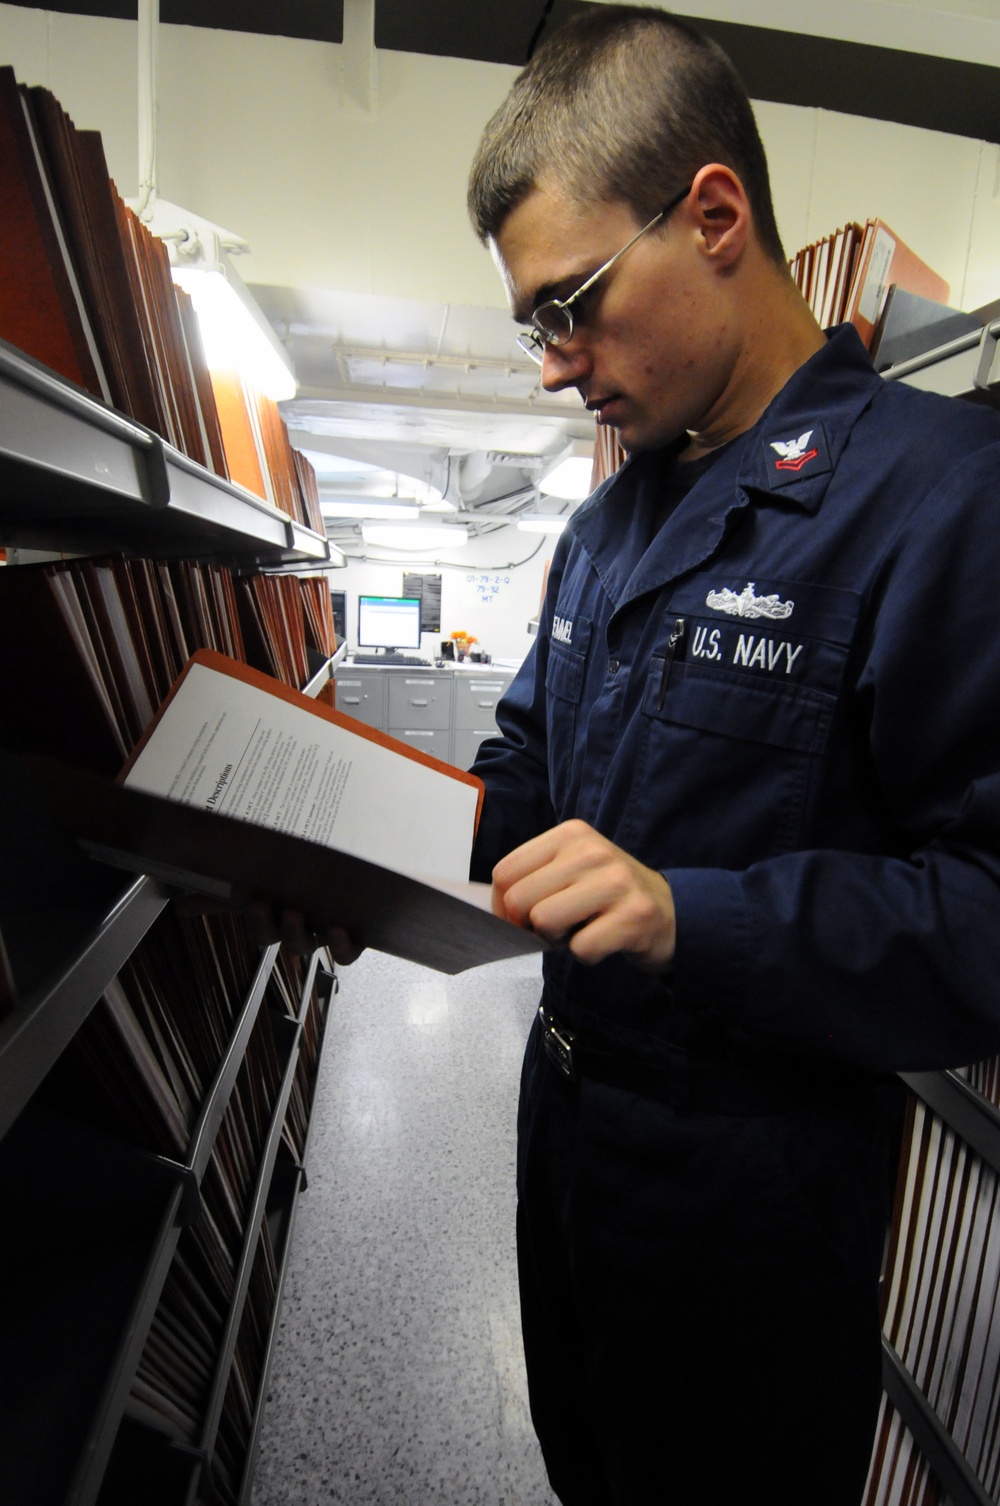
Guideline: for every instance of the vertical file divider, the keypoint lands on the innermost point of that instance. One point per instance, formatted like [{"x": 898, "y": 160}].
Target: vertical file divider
[
  {"x": 184, "y": 1209},
  {"x": 94, "y": 1458},
  {"x": 932, "y": 1437},
  {"x": 255, "y": 1218},
  {"x": 39, "y": 1027},
  {"x": 976, "y": 1121},
  {"x": 216, "y": 1103},
  {"x": 298, "y": 1183}
]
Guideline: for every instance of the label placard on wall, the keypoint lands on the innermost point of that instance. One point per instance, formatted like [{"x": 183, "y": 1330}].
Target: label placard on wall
[{"x": 488, "y": 588}]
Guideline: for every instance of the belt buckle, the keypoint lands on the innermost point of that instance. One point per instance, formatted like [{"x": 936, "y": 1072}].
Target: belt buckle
[{"x": 558, "y": 1043}]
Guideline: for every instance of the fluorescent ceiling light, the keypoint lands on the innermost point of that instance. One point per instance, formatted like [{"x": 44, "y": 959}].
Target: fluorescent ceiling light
[
  {"x": 538, "y": 522},
  {"x": 569, "y": 473},
  {"x": 416, "y": 536},
  {"x": 362, "y": 507},
  {"x": 235, "y": 333},
  {"x": 336, "y": 467}
]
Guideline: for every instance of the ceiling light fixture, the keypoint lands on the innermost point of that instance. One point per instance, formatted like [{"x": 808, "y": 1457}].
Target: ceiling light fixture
[
  {"x": 418, "y": 536},
  {"x": 568, "y": 475},
  {"x": 235, "y": 333},
  {"x": 367, "y": 507},
  {"x": 540, "y": 522}
]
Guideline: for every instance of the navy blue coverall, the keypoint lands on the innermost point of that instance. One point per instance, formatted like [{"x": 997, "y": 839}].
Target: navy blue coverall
[{"x": 786, "y": 698}]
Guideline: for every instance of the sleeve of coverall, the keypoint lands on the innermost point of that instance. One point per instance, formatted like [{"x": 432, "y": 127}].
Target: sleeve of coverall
[{"x": 514, "y": 766}]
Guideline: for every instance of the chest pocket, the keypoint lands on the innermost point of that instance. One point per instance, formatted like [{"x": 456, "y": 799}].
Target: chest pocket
[
  {"x": 793, "y": 717},
  {"x": 738, "y": 723},
  {"x": 564, "y": 675},
  {"x": 565, "y": 678},
  {"x": 763, "y": 662}
]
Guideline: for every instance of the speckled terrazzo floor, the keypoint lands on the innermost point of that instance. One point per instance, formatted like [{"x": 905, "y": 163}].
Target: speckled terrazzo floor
[{"x": 397, "y": 1376}]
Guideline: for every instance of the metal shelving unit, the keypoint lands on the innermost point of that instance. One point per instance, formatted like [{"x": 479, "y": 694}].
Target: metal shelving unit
[
  {"x": 976, "y": 1121},
  {"x": 96, "y": 1220},
  {"x": 39, "y": 1028},
  {"x": 967, "y": 367},
  {"x": 100, "y": 483}
]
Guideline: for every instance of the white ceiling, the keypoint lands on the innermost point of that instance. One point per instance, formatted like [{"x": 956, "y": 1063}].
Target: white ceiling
[
  {"x": 432, "y": 391},
  {"x": 964, "y": 29},
  {"x": 437, "y": 391}
]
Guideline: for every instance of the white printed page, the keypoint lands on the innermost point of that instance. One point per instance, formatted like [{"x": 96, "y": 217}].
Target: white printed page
[{"x": 233, "y": 748}]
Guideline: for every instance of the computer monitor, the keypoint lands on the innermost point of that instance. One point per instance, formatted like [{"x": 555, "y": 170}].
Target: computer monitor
[{"x": 388, "y": 622}]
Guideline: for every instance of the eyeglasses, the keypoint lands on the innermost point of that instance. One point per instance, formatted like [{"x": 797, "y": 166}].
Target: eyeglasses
[{"x": 552, "y": 322}]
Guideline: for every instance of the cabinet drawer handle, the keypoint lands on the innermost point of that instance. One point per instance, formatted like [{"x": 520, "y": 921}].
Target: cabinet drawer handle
[
  {"x": 414, "y": 702},
  {"x": 485, "y": 705},
  {"x": 351, "y": 700}
]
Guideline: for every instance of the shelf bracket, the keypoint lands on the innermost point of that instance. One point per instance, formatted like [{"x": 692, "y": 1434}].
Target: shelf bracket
[
  {"x": 987, "y": 355},
  {"x": 189, "y": 1210},
  {"x": 327, "y": 983},
  {"x": 157, "y": 475}
]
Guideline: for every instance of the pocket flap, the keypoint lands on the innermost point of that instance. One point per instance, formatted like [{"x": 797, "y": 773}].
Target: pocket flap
[{"x": 785, "y": 716}]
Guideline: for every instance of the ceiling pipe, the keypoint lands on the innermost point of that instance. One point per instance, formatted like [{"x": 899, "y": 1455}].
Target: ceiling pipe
[{"x": 149, "y": 56}]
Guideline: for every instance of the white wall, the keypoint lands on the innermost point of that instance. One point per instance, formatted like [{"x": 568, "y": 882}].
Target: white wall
[
  {"x": 939, "y": 193},
  {"x": 490, "y": 594},
  {"x": 263, "y": 135}
]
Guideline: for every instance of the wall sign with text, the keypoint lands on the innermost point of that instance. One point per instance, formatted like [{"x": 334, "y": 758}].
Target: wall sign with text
[{"x": 487, "y": 588}]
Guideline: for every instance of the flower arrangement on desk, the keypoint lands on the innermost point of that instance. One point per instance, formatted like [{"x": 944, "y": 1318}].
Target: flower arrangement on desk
[{"x": 463, "y": 644}]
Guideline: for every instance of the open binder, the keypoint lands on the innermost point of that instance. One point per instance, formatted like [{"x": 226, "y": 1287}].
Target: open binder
[{"x": 388, "y": 864}]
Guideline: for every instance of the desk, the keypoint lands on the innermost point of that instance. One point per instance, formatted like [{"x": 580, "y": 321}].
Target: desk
[{"x": 447, "y": 712}]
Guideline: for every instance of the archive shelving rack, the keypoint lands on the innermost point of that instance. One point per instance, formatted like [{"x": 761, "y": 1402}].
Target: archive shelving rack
[
  {"x": 966, "y": 367},
  {"x": 90, "y": 1223}
]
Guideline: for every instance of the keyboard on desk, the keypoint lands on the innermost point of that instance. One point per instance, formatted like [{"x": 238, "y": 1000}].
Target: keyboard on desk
[{"x": 410, "y": 660}]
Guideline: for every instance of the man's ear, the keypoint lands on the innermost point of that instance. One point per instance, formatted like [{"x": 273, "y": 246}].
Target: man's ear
[{"x": 722, "y": 210}]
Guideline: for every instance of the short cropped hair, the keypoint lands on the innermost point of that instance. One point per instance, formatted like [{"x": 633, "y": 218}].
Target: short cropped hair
[{"x": 622, "y": 104}]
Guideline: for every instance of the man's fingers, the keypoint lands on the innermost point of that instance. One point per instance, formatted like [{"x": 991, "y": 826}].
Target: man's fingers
[
  {"x": 571, "y": 885},
  {"x": 539, "y": 851},
  {"x": 344, "y": 948},
  {"x": 547, "y": 866},
  {"x": 292, "y": 930}
]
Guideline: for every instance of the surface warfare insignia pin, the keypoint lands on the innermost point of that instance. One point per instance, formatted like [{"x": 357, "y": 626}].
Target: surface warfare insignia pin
[
  {"x": 793, "y": 452},
  {"x": 747, "y": 603}
]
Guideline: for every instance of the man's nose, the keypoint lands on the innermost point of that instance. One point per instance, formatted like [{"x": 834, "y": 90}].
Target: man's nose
[{"x": 565, "y": 365}]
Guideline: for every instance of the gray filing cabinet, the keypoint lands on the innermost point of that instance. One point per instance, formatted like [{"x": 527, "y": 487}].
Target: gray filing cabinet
[
  {"x": 447, "y": 712},
  {"x": 361, "y": 693},
  {"x": 418, "y": 710},
  {"x": 476, "y": 697}
]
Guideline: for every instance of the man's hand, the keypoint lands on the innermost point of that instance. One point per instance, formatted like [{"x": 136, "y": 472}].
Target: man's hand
[
  {"x": 268, "y": 925},
  {"x": 572, "y": 885}
]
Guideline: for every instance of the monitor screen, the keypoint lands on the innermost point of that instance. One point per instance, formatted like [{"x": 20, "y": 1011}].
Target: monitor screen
[{"x": 388, "y": 622}]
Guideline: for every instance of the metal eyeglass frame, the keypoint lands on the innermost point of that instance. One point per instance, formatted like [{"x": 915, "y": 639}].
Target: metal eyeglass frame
[{"x": 557, "y": 312}]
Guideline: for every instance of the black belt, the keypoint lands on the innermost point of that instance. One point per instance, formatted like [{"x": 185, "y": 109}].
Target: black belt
[{"x": 690, "y": 1083}]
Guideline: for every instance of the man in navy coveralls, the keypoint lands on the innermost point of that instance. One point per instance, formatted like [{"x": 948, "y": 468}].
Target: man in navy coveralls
[{"x": 747, "y": 774}]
